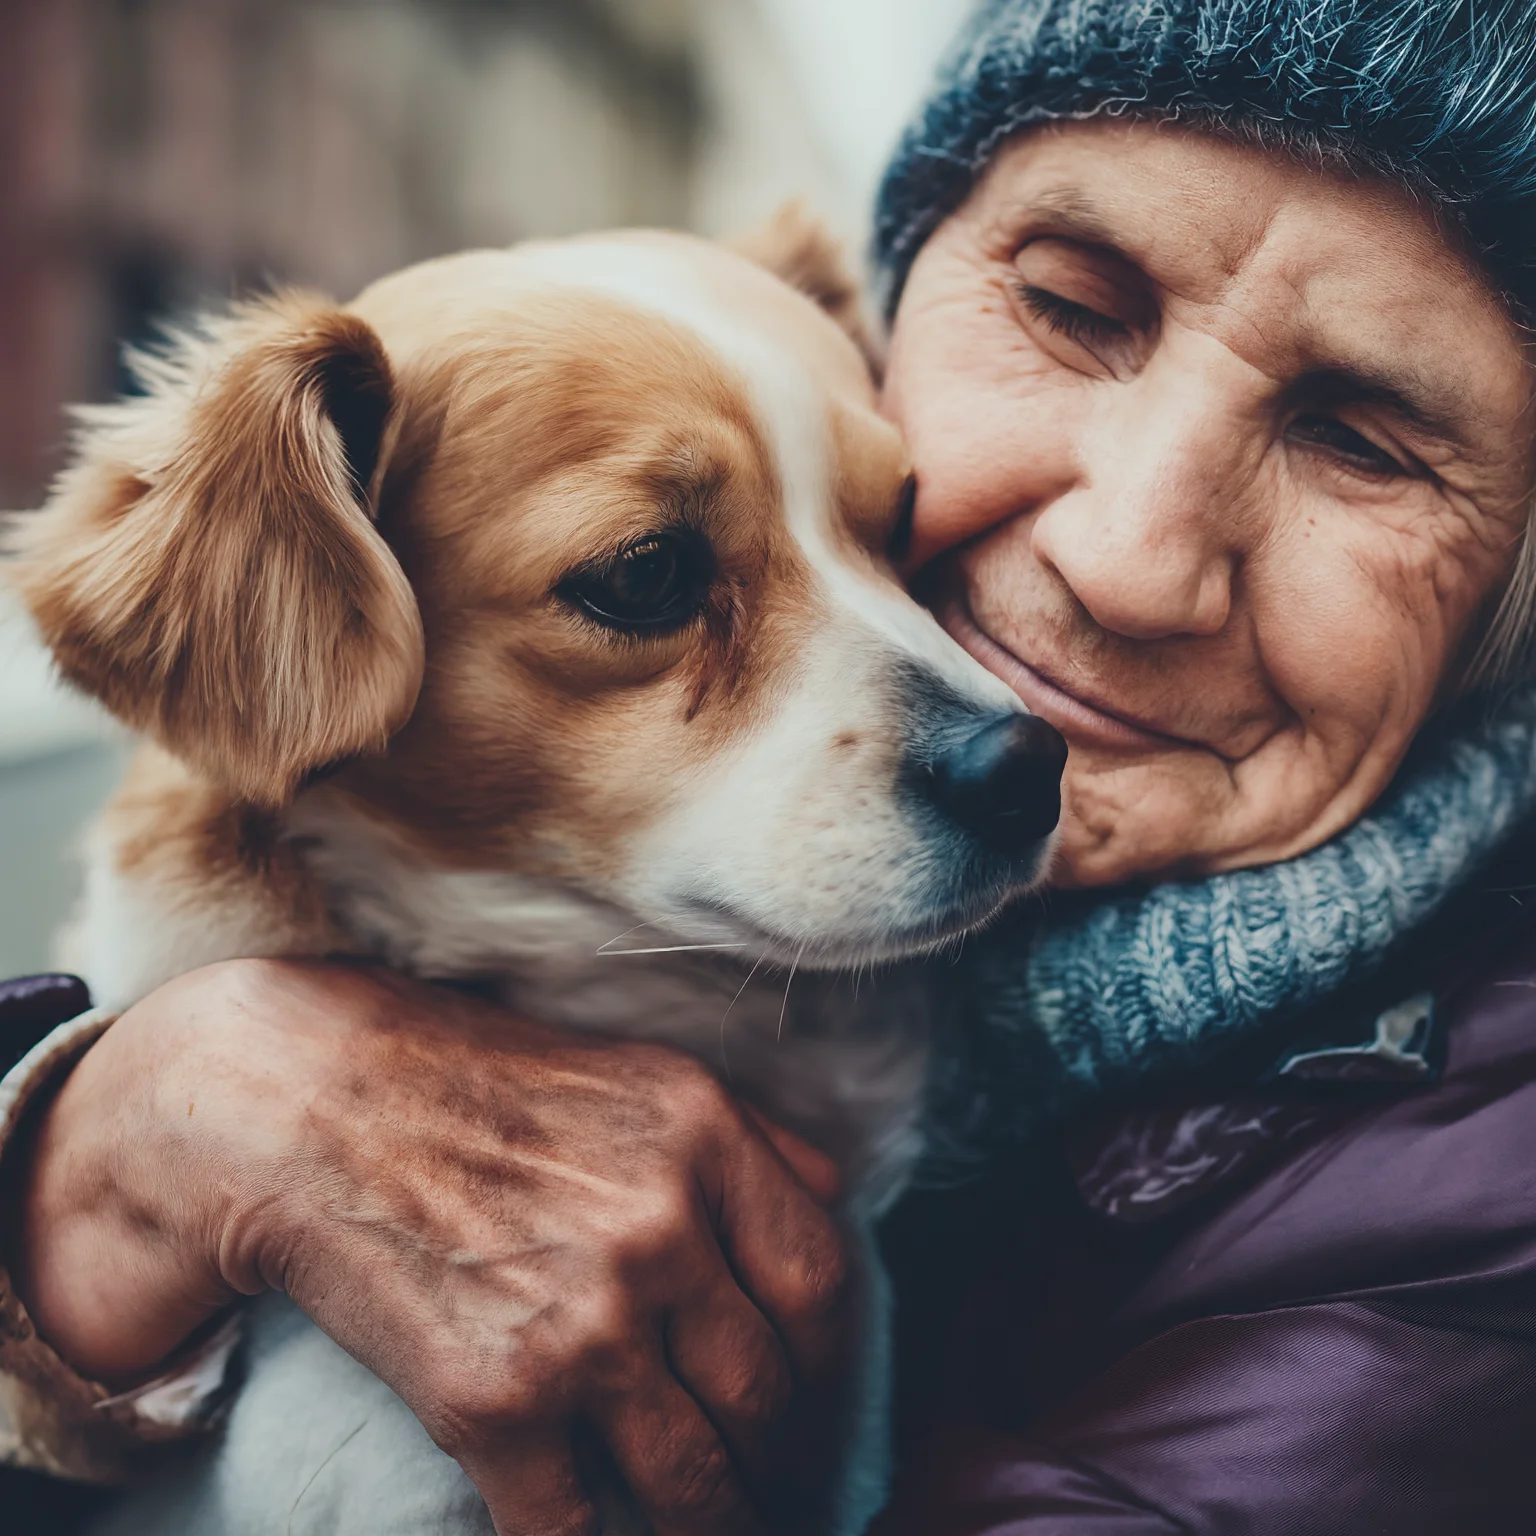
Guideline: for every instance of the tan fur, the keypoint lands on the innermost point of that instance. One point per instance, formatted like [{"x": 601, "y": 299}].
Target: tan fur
[
  {"x": 235, "y": 602},
  {"x": 166, "y": 822},
  {"x": 796, "y": 246},
  {"x": 871, "y": 460},
  {"x": 560, "y": 435},
  {"x": 209, "y": 571}
]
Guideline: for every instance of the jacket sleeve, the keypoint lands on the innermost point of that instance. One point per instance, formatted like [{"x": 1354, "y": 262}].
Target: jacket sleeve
[
  {"x": 51, "y": 1419},
  {"x": 1331, "y": 1419}
]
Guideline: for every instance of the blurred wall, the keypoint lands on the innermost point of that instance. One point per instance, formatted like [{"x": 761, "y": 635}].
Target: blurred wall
[{"x": 158, "y": 154}]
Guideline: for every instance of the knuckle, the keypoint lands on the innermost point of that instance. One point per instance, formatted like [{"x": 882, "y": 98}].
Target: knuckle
[
  {"x": 695, "y": 1096},
  {"x": 605, "y": 1334},
  {"x": 821, "y": 1279},
  {"x": 445, "y": 1392},
  {"x": 661, "y": 1221},
  {"x": 755, "y": 1392},
  {"x": 686, "y": 1103},
  {"x": 458, "y": 1430}
]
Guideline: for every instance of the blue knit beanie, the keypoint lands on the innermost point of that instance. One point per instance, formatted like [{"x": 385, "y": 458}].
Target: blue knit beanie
[{"x": 1439, "y": 93}]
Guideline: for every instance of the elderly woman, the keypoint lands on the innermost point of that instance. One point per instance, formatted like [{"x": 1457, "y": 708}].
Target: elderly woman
[{"x": 1209, "y": 345}]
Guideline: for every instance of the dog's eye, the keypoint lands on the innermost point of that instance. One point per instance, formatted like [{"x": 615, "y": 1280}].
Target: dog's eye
[{"x": 656, "y": 583}]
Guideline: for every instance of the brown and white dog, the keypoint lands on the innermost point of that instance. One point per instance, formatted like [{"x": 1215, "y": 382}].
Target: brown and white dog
[{"x": 532, "y": 619}]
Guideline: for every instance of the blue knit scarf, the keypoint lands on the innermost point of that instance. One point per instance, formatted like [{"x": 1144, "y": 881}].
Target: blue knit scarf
[{"x": 1091, "y": 993}]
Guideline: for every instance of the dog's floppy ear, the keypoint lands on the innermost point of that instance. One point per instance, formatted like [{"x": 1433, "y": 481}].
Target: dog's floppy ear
[
  {"x": 208, "y": 566},
  {"x": 796, "y": 246}
]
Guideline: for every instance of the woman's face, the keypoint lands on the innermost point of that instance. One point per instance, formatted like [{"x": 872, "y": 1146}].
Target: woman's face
[{"x": 1220, "y": 459}]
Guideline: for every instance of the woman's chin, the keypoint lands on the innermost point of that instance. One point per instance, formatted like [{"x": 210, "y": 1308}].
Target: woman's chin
[{"x": 1127, "y": 822}]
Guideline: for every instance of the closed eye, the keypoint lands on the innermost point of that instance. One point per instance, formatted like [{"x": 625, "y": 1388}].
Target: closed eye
[
  {"x": 1329, "y": 435},
  {"x": 1067, "y": 318}
]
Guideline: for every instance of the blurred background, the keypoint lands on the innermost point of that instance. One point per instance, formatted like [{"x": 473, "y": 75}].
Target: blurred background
[{"x": 156, "y": 154}]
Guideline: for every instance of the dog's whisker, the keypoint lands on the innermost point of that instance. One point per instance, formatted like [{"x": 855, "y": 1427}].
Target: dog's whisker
[
  {"x": 665, "y": 949},
  {"x": 724, "y": 1059},
  {"x": 654, "y": 922},
  {"x": 784, "y": 1006}
]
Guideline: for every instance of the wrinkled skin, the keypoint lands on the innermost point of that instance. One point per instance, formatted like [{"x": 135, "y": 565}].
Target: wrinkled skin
[{"x": 1220, "y": 462}]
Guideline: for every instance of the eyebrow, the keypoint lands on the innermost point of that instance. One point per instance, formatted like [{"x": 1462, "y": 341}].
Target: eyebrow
[
  {"x": 1068, "y": 212},
  {"x": 1421, "y": 404}
]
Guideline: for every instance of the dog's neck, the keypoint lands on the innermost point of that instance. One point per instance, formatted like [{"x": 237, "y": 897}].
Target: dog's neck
[
  {"x": 839, "y": 1061},
  {"x": 538, "y": 944}
]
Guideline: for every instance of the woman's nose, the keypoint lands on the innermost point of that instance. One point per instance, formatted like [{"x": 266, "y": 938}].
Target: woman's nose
[{"x": 1149, "y": 535}]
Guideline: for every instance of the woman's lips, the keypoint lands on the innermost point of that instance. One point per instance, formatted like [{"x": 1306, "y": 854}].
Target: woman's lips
[{"x": 1080, "y": 721}]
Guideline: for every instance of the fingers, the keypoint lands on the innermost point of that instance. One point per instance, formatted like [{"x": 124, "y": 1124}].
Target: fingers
[
  {"x": 789, "y": 1256},
  {"x": 732, "y": 1363},
  {"x": 814, "y": 1169},
  {"x": 532, "y": 1488},
  {"x": 672, "y": 1459}
]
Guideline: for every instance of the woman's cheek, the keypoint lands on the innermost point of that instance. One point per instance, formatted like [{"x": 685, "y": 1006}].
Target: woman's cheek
[
  {"x": 990, "y": 424},
  {"x": 1352, "y": 638},
  {"x": 1345, "y": 643}
]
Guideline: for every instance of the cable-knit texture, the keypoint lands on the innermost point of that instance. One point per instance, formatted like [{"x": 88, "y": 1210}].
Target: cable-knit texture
[
  {"x": 1441, "y": 92},
  {"x": 1095, "y": 992}
]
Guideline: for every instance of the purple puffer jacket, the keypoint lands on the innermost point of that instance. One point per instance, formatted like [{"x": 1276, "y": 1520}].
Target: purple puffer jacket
[{"x": 1302, "y": 1312}]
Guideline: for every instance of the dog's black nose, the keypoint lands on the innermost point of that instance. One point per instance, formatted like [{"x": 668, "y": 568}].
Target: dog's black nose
[{"x": 1002, "y": 781}]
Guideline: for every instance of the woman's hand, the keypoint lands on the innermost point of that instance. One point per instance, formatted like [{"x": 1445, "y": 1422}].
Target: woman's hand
[{"x": 532, "y": 1238}]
